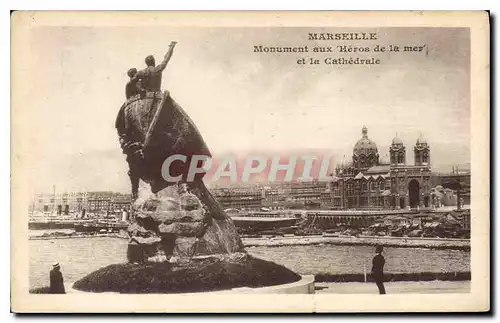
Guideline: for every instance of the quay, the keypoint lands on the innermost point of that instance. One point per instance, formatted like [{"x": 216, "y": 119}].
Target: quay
[
  {"x": 395, "y": 242},
  {"x": 77, "y": 225}
]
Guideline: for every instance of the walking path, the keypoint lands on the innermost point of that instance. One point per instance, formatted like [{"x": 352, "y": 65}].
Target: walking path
[
  {"x": 427, "y": 287},
  {"x": 361, "y": 240}
]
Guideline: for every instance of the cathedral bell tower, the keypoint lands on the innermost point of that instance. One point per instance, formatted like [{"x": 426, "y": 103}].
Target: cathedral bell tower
[
  {"x": 397, "y": 152},
  {"x": 422, "y": 152}
]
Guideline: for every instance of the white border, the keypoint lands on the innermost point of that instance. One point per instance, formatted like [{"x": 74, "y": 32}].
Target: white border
[{"x": 213, "y": 5}]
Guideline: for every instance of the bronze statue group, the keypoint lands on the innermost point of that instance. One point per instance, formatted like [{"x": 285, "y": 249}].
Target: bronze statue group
[{"x": 147, "y": 80}]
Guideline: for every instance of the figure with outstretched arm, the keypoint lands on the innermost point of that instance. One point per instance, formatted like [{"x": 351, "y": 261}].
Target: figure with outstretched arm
[
  {"x": 167, "y": 57},
  {"x": 141, "y": 82},
  {"x": 151, "y": 75}
]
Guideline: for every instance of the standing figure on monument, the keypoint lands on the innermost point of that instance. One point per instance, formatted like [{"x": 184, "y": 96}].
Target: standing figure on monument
[
  {"x": 133, "y": 86},
  {"x": 132, "y": 142},
  {"x": 151, "y": 75}
]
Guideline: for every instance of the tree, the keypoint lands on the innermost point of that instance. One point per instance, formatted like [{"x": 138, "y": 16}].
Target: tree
[{"x": 457, "y": 186}]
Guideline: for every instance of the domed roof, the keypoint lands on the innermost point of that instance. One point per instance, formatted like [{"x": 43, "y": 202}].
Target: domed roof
[
  {"x": 396, "y": 140},
  {"x": 365, "y": 146},
  {"x": 421, "y": 140}
]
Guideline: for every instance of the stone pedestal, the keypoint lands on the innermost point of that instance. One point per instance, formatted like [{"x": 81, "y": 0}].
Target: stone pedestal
[{"x": 181, "y": 221}]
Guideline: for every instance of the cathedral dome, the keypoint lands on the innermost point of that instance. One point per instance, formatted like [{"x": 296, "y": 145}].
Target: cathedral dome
[
  {"x": 365, "y": 146},
  {"x": 397, "y": 141}
]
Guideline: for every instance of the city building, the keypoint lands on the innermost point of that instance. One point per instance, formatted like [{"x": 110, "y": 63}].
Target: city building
[
  {"x": 454, "y": 178},
  {"x": 245, "y": 198},
  {"x": 274, "y": 195},
  {"x": 367, "y": 183},
  {"x": 308, "y": 193},
  {"x": 99, "y": 202},
  {"x": 79, "y": 203},
  {"x": 120, "y": 202},
  {"x": 64, "y": 203}
]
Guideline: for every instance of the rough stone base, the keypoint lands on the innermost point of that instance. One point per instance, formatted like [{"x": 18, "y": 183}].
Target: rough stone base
[{"x": 183, "y": 221}]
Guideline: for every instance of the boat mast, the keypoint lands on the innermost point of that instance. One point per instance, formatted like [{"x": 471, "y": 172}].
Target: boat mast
[{"x": 54, "y": 196}]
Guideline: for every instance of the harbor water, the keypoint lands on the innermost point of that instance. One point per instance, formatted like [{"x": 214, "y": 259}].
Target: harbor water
[{"x": 79, "y": 257}]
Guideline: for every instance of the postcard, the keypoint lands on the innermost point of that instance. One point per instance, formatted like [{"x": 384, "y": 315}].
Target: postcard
[{"x": 250, "y": 162}]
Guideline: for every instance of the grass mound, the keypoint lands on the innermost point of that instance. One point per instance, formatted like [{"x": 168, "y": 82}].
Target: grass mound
[{"x": 197, "y": 276}]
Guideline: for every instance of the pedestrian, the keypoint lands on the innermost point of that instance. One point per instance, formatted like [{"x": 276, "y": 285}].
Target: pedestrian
[
  {"x": 56, "y": 280},
  {"x": 378, "y": 263}
]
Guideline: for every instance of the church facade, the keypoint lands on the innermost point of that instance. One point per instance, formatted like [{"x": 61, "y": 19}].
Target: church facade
[{"x": 368, "y": 183}]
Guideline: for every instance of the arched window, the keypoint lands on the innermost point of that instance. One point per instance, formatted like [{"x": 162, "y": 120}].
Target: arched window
[
  {"x": 425, "y": 157},
  {"x": 401, "y": 157},
  {"x": 350, "y": 189}
]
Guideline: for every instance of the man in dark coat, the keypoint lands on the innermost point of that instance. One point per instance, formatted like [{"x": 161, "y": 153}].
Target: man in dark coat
[
  {"x": 378, "y": 263},
  {"x": 56, "y": 280}
]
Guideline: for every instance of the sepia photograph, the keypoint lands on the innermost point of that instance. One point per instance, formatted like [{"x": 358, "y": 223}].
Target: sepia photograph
[{"x": 250, "y": 155}]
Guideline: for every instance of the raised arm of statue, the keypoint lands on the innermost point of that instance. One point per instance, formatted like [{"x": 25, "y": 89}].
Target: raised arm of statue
[{"x": 167, "y": 57}]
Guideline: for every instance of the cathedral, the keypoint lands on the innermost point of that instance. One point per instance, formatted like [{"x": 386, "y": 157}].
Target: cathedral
[{"x": 368, "y": 183}]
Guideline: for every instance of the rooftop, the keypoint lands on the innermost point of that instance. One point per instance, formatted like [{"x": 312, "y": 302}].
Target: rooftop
[{"x": 379, "y": 169}]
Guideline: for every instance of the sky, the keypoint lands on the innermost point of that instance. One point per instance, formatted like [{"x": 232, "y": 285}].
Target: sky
[{"x": 242, "y": 101}]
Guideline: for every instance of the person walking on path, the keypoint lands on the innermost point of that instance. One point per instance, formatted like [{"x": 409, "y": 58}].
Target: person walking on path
[
  {"x": 378, "y": 263},
  {"x": 56, "y": 280}
]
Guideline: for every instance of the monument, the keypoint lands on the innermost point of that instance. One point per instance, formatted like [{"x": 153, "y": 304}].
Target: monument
[
  {"x": 180, "y": 239},
  {"x": 180, "y": 218}
]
